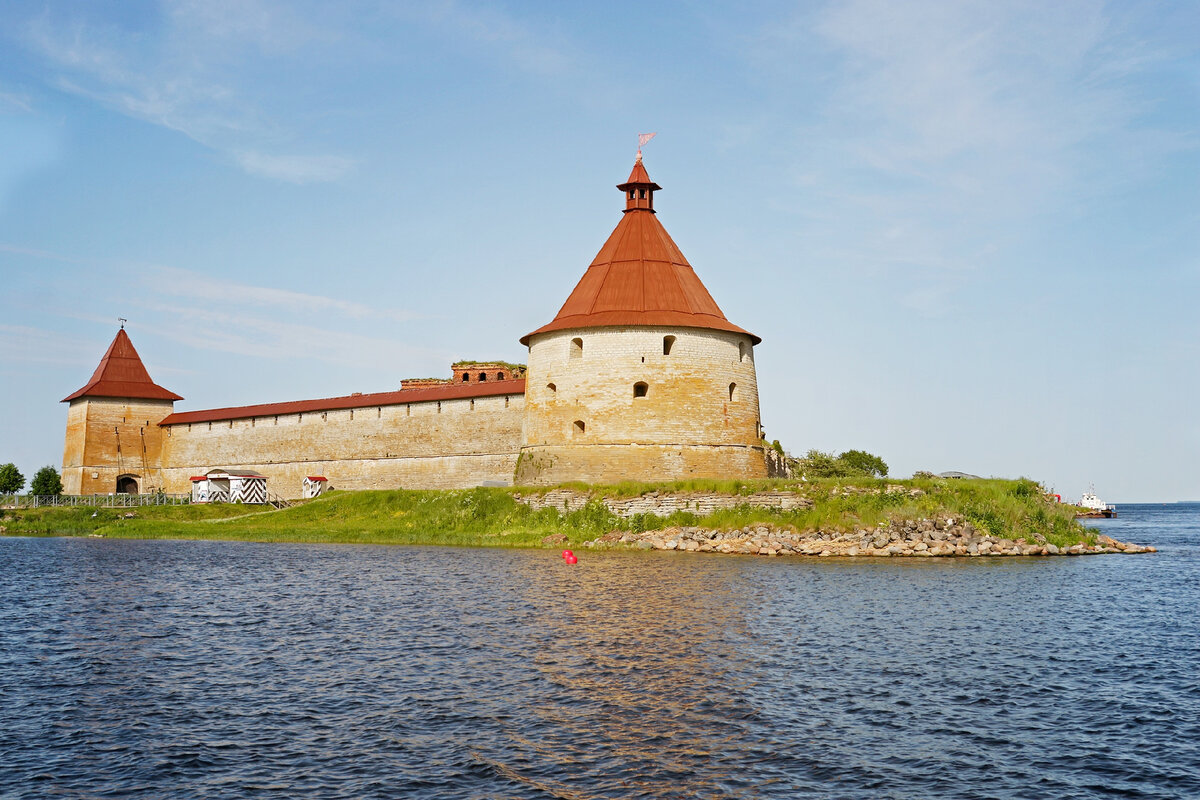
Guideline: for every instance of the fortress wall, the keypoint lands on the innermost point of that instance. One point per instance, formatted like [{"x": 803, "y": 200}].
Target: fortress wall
[
  {"x": 429, "y": 445},
  {"x": 607, "y": 464},
  {"x": 91, "y": 461},
  {"x": 685, "y": 426}
]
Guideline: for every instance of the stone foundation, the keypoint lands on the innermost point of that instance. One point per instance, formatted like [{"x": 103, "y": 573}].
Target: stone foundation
[{"x": 664, "y": 504}]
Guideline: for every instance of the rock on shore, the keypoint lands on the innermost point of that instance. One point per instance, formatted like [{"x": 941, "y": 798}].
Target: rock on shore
[{"x": 925, "y": 538}]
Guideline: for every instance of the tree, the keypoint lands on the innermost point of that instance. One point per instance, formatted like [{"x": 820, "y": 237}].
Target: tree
[
  {"x": 11, "y": 479},
  {"x": 863, "y": 462},
  {"x": 816, "y": 464},
  {"x": 46, "y": 482}
]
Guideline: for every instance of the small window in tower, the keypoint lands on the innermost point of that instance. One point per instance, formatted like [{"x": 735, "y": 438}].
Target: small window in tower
[
  {"x": 553, "y": 389},
  {"x": 466, "y": 377},
  {"x": 733, "y": 392},
  {"x": 631, "y": 194},
  {"x": 577, "y": 348},
  {"x": 642, "y": 194},
  {"x": 742, "y": 351},
  {"x": 506, "y": 401},
  {"x": 483, "y": 376},
  {"x": 668, "y": 343},
  {"x": 499, "y": 376},
  {"x": 472, "y": 404},
  {"x": 578, "y": 427},
  {"x": 439, "y": 408},
  {"x": 640, "y": 388}
]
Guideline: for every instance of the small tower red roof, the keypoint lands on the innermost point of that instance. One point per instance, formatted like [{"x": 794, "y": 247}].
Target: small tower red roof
[
  {"x": 640, "y": 277},
  {"x": 121, "y": 373}
]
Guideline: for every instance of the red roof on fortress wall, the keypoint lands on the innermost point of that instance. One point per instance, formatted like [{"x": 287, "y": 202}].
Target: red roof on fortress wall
[
  {"x": 640, "y": 276},
  {"x": 421, "y": 395},
  {"x": 121, "y": 373}
]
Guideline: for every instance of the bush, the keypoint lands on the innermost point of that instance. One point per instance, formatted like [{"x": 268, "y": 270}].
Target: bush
[{"x": 11, "y": 479}]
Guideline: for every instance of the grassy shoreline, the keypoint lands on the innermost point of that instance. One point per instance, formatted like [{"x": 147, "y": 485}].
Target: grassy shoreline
[{"x": 492, "y": 517}]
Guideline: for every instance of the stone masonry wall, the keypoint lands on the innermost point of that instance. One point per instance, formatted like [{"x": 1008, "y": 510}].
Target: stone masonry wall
[
  {"x": 664, "y": 503},
  {"x": 431, "y": 445},
  {"x": 91, "y": 459},
  {"x": 686, "y": 425}
]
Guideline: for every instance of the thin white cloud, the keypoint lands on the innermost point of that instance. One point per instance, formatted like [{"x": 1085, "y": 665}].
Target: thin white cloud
[
  {"x": 10, "y": 101},
  {"x": 523, "y": 45},
  {"x": 242, "y": 334},
  {"x": 35, "y": 253},
  {"x": 270, "y": 27},
  {"x": 176, "y": 83},
  {"x": 294, "y": 169},
  {"x": 25, "y": 344},
  {"x": 176, "y": 282},
  {"x": 938, "y": 129}
]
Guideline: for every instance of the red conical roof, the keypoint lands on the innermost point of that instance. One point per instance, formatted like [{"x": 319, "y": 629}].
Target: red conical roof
[
  {"x": 122, "y": 374},
  {"x": 640, "y": 277}
]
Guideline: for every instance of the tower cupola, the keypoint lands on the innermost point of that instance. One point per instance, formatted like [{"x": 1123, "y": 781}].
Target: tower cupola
[{"x": 639, "y": 189}]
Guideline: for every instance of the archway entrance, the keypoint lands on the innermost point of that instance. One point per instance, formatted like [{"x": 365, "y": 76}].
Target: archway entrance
[{"x": 127, "y": 484}]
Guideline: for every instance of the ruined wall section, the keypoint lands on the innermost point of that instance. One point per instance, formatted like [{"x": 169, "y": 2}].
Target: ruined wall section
[
  {"x": 445, "y": 444},
  {"x": 92, "y": 461},
  {"x": 697, "y": 415}
]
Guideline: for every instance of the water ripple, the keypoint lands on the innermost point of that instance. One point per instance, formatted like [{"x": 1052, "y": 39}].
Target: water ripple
[{"x": 230, "y": 670}]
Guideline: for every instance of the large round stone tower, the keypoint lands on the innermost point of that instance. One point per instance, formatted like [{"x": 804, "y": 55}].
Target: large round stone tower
[{"x": 640, "y": 376}]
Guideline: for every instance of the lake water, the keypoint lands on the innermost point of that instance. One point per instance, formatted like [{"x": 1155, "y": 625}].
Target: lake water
[{"x": 144, "y": 669}]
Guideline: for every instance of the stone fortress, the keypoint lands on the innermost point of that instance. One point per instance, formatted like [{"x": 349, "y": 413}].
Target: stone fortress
[{"x": 639, "y": 377}]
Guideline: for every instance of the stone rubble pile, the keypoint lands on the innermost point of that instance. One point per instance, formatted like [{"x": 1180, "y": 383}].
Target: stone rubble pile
[{"x": 918, "y": 538}]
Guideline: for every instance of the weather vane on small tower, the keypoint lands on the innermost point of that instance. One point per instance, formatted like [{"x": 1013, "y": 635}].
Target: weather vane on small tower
[
  {"x": 642, "y": 139},
  {"x": 122, "y": 320}
]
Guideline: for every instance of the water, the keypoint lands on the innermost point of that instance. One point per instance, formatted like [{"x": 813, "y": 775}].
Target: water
[{"x": 227, "y": 670}]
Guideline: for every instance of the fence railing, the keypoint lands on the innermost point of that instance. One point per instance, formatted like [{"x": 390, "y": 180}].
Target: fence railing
[
  {"x": 100, "y": 500},
  {"x": 277, "y": 502}
]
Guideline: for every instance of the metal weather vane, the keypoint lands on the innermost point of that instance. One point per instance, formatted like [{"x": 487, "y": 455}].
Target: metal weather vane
[{"x": 642, "y": 139}]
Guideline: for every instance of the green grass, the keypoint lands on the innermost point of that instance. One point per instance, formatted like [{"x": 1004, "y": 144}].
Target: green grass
[{"x": 491, "y": 517}]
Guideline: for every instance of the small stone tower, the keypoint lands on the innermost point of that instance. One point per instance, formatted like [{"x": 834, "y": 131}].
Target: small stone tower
[
  {"x": 113, "y": 442},
  {"x": 640, "y": 376}
]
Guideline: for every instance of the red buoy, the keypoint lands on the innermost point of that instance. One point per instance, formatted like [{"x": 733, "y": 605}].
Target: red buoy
[
  {"x": 567, "y": 554},
  {"x": 571, "y": 559}
]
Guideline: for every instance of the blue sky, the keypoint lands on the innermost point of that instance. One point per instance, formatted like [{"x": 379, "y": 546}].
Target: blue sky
[{"x": 967, "y": 232}]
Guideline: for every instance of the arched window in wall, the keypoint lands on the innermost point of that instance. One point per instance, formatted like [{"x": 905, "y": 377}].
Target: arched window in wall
[
  {"x": 640, "y": 389},
  {"x": 466, "y": 377},
  {"x": 743, "y": 351},
  {"x": 482, "y": 376},
  {"x": 576, "y": 348},
  {"x": 552, "y": 388},
  {"x": 668, "y": 343},
  {"x": 733, "y": 393},
  {"x": 578, "y": 427}
]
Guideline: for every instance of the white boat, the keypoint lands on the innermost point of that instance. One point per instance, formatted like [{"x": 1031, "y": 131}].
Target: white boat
[{"x": 1095, "y": 506}]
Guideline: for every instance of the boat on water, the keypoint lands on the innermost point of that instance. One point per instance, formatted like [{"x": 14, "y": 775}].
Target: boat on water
[{"x": 1094, "y": 507}]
